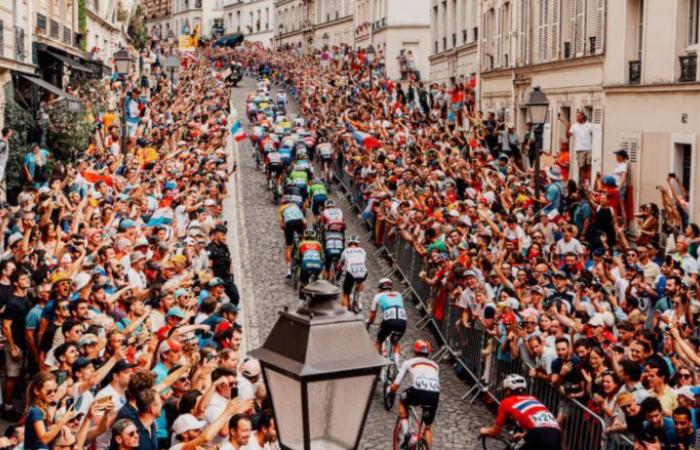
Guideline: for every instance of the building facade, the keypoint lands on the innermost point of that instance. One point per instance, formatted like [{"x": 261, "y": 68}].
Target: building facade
[
  {"x": 393, "y": 26},
  {"x": 294, "y": 20},
  {"x": 334, "y": 22},
  {"x": 454, "y": 29},
  {"x": 254, "y": 18},
  {"x": 104, "y": 29},
  {"x": 158, "y": 15},
  {"x": 207, "y": 15},
  {"x": 558, "y": 45},
  {"x": 652, "y": 94},
  {"x": 15, "y": 46}
]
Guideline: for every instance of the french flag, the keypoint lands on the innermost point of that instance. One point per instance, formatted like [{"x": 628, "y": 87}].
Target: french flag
[
  {"x": 161, "y": 216},
  {"x": 238, "y": 132},
  {"x": 364, "y": 139}
]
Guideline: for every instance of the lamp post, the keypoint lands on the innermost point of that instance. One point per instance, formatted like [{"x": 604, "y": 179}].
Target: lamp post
[
  {"x": 171, "y": 40},
  {"x": 320, "y": 368},
  {"x": 325, "y": 38},
  {"x": 371, "y": 54},
  {"x": 122, "y": 64},
  {"x": 537, "y": 108}
]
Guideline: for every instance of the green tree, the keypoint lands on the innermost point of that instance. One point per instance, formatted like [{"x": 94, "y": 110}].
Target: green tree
[{"x": 137, "y": 29}]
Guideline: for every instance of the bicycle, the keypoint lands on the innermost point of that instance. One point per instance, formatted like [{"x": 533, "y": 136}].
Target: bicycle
[
  {"x": 500, "y": 443},
  {"x": 294, "y": 267},
  {"x": 390, "y": 371},
  {"x": 355, "y": 304},
  {"x": 416, "y": 440}
]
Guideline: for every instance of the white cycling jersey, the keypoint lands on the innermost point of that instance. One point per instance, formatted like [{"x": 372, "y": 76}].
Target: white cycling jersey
[
  {"x": 325, "y": 149},
  {"x": 332, "y": 215},
  {"x": 425, "y": 374},
  {"x": 353, "y": 260}
]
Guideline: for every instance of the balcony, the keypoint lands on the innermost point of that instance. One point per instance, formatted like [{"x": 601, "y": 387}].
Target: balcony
[
  {"x": 567, "y": 50},
  {"x": 444, "y": 43},
  {"x": 634, "y": 73},
  {"x": 435, "y": 47},
  {"x": 454, "y": 40},
  {"x": 465, "y": 36},
  {"x": 591, "y": 41},
  {"x": 689, "y": 67}
]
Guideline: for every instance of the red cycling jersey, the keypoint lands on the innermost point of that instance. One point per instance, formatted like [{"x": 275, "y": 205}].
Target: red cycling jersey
[{"x": 527, "y": 412}]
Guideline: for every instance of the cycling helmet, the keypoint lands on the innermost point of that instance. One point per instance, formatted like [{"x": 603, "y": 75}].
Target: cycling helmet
[
  {"x": 317, "y": 181},
  {"x": 302, "y": 156},
  {"x": 515, "y": 383},
  {"x": 310, "y": 234},
  {"x": 329, "y": 204},
  {"x": 353, "y": 239},
  {"x": 385, "y": 284},
  {"x": 287, "y": 199},
  {"x": 421, "y": 347}
]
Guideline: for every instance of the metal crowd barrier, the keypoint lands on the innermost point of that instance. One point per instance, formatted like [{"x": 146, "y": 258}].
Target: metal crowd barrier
[{"x": 473, "y": 348}]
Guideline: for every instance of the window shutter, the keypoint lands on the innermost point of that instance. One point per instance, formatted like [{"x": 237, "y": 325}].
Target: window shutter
[
  {"x": 547, "y": 134},
  {"x": 597, "y": 151},
  {"x": 556, "y": 38},
  {"x": 580, "y": 43},
  {"x": 540, "y": 31},
  {"x": 524, "y": 22},
  {"x": 599, "y": 27},
  {"x": 545, "y": 31},
  {"x": 484, "y": 40},
  {"x": 572, "y": 27},
  {"x": 499, "y": 37}
]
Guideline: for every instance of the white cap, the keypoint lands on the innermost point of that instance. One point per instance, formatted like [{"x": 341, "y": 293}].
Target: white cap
[
  {"x": 187, "y": 422},
  {"x": 596, "y": 320},
  {"x": 82, "y": 280},
  {"x": 14, "y": 238},
  {"x": 251, "y": 368}
]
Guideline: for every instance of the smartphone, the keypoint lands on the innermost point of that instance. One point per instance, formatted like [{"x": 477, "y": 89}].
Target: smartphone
[{"x": 672, "y": 175}]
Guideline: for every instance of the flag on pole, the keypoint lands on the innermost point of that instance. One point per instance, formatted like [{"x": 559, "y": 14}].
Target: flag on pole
[
  {"x": 238, "y": 132},
  {"x": 93, "y": 177},
  {"x": 161, "y": 216}
]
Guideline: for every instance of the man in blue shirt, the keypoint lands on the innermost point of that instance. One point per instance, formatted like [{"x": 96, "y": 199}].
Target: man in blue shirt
[
  {"x": 658, "y": 428},
  {"x": 555, "y": 190}
]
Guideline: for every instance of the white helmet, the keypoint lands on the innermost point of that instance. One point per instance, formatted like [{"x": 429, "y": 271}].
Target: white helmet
[{"x": 515, "y": 383}]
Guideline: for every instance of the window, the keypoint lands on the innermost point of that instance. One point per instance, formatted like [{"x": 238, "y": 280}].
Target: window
[
  {"x": 693, "y": 22},
  {"x": 55, "y": 29},
  {"x": 41, "y": 22},
  {"x": 640, "y": 28},
  {"x": 2, "y": 40}
]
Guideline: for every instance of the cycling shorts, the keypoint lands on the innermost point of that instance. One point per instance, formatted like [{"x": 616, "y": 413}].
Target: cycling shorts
[
  {"x": 350, "y": 281},
  {"x": 428, "y": 400},
  {"x": 391, "y": 327},
  {"x": 332, "y": 257},
  {"x": 306, "y": 272},
  {"x": 317, "y": 202},
  {"x": 290, "y": 228},
  {"x": 275, "y": 168},
  {"x": 544, "y": 438},
  {"x": 326, "y": 158}
]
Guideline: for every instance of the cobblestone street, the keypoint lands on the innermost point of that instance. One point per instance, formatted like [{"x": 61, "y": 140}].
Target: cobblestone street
[{"x": 265, "y": 291}]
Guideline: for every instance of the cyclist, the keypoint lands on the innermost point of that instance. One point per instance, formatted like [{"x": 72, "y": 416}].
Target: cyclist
[
  {"x": 282, "y": 101},
  {"x": 424, "y": 390},
  {"x": 353, "y": 263},
  {"x": 309, "y": 257},
  {"x": 539, "y": 425},
  {"x": 300, "y": 178},
  {"x": 291, "y": 221},
  {"x": 325, "y": 152},
  {"x": 303, "y": 162},
  {"x": 332, "y": 217},
  {"x": 333, "y": 245},
  {"x": 286, "y": 153},
  {"x": 393, "y": 324},
  {"x": 273, "y": 166},
  {"x": 319, "y": 196}
]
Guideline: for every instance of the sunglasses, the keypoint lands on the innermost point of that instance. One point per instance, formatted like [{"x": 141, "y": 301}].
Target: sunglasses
[
  {"x": 132, "y": 433},
  {"x": 685, "y": 375}
]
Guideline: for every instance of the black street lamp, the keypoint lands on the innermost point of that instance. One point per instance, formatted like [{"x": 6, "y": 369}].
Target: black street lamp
[
  {"x": 371, "y": 55},
  {"x": 172, "y": 63},
  {"x": 122, "y": 64},
  {"x": 537, "y": 108},
  {"x": 320, "y": 368},
  {"x": 170, "y": 39}
]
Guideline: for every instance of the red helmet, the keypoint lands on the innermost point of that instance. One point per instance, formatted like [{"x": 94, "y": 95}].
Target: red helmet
[{"x": 422, "y": 347}]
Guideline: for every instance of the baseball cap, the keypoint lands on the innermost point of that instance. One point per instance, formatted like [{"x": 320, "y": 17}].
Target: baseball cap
[
  {"x": 216, "y": 281},
  {"x": 122, "y": 364},
  {"x": 229, "y": 308},
  {"x": 88, "y": 338},
  {"x": 126, "y": 224},
  {"x": 82, "y": 280},
  {"x": 187, "y": 422},
  {"x": 137, "y": 256},
  {"x": 509, "y": 318},
  {"x": 219, "y": 229},
  {"x": 169, "y": 345},
  {"x": 596, "y": 321},
  {"x": 176, "y": 311},
  {"x": 686, "y": 391},
  {"x": 626, "y": 398},
  {"x": 80, "y": 363},
  {"x": 251, "y": 368}
]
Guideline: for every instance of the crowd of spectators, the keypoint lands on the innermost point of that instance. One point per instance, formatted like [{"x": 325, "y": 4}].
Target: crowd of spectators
[
  {"x": 118, "y": 300},
  {"x": 607, "y": 316}
]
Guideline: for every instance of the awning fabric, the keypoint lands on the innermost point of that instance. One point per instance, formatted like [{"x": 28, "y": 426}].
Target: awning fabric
[
  {"x": 50, "y": 87},
  {"x": 73, "y": 64},
  {"x": 229, "y": 40}
]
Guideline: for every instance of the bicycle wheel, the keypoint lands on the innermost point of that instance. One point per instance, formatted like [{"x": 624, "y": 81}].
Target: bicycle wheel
[
  {"x": 397, "y": 434},
  {"x": 389, "y": 377},
  {"x": 494, "y": 443},
  {"x": 422, "y": 445}
]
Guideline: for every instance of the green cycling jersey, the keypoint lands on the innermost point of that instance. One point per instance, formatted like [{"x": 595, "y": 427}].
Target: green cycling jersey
[
  {"x": 298, "y": 177},
  {"x": 318, "y": 189}
]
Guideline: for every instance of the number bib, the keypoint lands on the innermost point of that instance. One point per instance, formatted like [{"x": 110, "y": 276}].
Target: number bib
[
  {"x": 544, "y": 419},
  {"x": 427, "y": 384},
  {"x": 394, "y": 313},
  {"x": 357, "y": 270}
]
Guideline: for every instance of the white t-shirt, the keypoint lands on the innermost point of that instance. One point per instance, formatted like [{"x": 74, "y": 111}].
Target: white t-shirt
[
  {"x": 573, "y": 245},
  {"x": 583, "y": 136},
  {"x": 216, "y": 407},
  {"x": 119, "y": 400},
  {"x": 617, "y": 173}
]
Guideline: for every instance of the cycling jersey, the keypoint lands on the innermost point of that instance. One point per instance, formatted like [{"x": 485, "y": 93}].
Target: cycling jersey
[
  {"x": 290, "y": 212},
  {"x": 334, "y": 244},
  {"x": 311, "y": 255},
  {"x": 298, "y": 177},
  {"x": 353, "y": 260},
  {"x": 303, "y": 164},
  {"x": 390, "y": 304},
  {"x": 274, "y": 158},
  {"x": 528, "y": 413},
  {"x": 425, "y": 374},
  {"x": 332, "y": 216},
  {"x": 285, "y": 154},
  {"x": 325, "y": 150},
  {"x": 319, "y": 190}
]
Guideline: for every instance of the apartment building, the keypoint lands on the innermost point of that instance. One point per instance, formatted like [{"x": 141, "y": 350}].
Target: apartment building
[
  {"x": 652, "y": 94},
  {"x": 558, "y": 45},
  {"x": 392, "y": 26},
  {"x": 158, "y": 15},
  {"x": 254, "y": 18},
  {"x": 15, "y": 46},
  {"x": 105, "y": 34},
  {"x": 334, "y": 22},
  {"x": 454, "y": 26},
  {"x": 294, "y": 20},
  {"x": 208, "y": 15}
]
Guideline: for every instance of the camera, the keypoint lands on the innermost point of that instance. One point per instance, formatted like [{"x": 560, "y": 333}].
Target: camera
[{"x": 571, "y": 388}]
